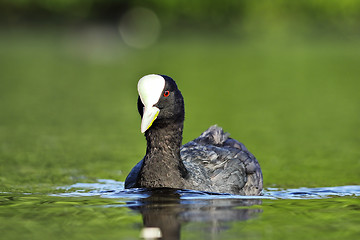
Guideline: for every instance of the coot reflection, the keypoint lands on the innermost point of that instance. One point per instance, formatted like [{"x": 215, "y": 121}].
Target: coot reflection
[{"x": 166, "y": 210}]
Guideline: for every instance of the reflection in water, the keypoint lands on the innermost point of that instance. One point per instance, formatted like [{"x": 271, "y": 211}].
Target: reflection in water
[
  {"x": 166, "y": 210},
  {"x": 170, "y": 210},
  {"x": 161, "y": 209}
]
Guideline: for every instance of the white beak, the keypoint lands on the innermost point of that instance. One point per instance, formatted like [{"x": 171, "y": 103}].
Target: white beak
[
  {"x": 150, "y": 88},
  {"x": 149, "y": 116}
]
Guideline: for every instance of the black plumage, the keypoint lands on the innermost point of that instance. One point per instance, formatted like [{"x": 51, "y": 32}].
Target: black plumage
[{"x": 212, "y": 162}]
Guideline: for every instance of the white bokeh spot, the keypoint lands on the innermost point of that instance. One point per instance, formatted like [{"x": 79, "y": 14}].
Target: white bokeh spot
[{"x": 139, "y": 27}]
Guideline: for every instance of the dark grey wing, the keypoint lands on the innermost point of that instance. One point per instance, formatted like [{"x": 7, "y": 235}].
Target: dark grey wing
[
  {"x": 227, "y": 162},
  {"x": 254, "y": 182},
  {"x": 131, "y": 179}
]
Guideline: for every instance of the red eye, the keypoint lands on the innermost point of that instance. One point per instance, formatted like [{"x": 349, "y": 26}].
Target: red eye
[{"x": 166, "y": 93}]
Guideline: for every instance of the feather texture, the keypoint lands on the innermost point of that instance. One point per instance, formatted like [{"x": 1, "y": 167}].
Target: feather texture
[{"x": 221, "y": 163}]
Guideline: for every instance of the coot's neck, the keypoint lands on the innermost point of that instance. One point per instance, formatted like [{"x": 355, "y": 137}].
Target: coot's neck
[{"x": 162, "y": 165}]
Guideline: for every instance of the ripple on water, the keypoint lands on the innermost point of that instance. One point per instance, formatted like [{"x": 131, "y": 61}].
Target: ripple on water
[
  {"x": 107, "y": 204},
  {"x": 108, "y": 188}
]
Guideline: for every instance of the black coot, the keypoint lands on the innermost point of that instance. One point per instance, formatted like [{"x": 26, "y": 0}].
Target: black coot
[{"x": 213, "y": 162}]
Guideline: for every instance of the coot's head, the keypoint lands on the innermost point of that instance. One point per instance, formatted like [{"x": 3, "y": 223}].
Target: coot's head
[{"x": 160, "y": 101}]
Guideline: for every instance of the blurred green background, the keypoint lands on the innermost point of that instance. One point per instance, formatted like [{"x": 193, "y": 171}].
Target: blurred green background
[{"x": 281, "y": 76}]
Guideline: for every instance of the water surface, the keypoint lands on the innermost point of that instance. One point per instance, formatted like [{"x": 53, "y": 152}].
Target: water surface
[{"x": 105, "y": 209}]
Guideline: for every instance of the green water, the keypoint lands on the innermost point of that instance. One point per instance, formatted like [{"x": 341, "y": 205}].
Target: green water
[
  {"x": 68, "y": 115},
  {"x": 43, "y": 217}
]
